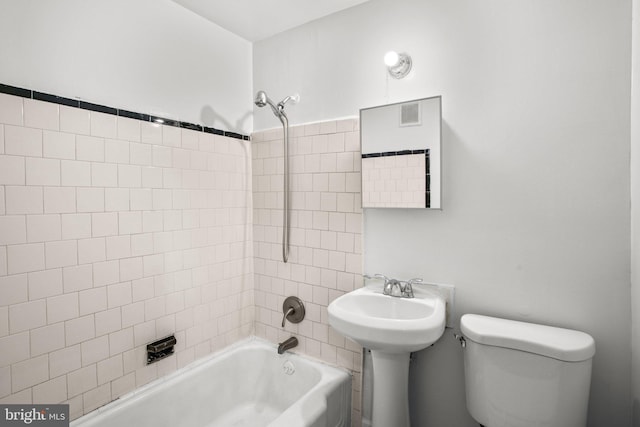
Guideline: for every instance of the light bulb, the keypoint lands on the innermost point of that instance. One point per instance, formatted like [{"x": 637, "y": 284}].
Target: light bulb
[{"x": 391, "y": 58}]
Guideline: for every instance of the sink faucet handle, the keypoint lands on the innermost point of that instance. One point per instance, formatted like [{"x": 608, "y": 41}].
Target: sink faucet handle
[
  {"x": 376, "y": 276},
  {"x": 407, "y": 290}
]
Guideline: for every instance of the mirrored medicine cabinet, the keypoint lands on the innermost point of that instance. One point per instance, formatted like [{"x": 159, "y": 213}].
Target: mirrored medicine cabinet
[{"x": 401, "y": 154}]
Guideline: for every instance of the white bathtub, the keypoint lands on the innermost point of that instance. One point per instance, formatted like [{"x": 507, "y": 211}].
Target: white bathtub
[{"x": 248, "y": 384}]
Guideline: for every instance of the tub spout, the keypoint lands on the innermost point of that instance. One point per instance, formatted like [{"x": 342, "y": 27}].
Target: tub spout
[{"x": 288, "y": 344}]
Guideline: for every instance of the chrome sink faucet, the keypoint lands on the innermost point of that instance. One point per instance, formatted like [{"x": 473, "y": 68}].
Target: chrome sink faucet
[{"x": 394, "y": 287}]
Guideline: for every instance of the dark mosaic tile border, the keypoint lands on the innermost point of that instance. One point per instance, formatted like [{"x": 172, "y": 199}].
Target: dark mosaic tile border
[{"x": 39, "y": 96}]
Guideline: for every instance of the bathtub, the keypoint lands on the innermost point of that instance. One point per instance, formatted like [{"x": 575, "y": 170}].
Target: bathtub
[{"x": 247, "y": 384}]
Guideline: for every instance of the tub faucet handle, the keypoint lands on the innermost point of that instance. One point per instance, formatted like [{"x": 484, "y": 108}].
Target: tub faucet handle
[
  {"x": 293, "y": 310},
  {"x": 286, "y": 314}
]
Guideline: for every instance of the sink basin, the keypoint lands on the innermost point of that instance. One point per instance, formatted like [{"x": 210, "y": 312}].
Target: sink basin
[
  {"x": 384, "y": 323},
  {"x": 391, "y": 328}
]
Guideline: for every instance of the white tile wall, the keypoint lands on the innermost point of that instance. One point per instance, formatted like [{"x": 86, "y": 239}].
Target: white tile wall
[
  {"x": 114, "y": 233},
  {"x": 325, "y": 260}
]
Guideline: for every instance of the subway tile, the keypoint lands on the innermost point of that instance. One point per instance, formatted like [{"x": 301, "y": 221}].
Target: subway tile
[
  {"x": 75, "y": 120},
  {"x": 43, "y": 228},
  {"x": 5, "y": 381},
  {"x": 25, "y": 258},
  {"x": 110, "y": 369},
  {"x": 15, "y": 347},
  {"x": 130, "y": 269},
  {"x": 12, "y": 170},
  {"x": 116, "y": 151},
  {"x": 104, "y": 125},
  {"x": 123, "y": 385},
  {"x": 3, "y": 209},
  {"x": 121, "y": 341},
  {"x": 47, "y": 339},
  {"x": 118, "y": 247},
  {"x": 64, "y": 361},
  {"x": 42, "y": 171},
  {"x": 23, "y": 200},
  {"x": 141, "y": 199},
  {"x": 150, "y": 133},
  {"x": 29, "y": 373},
  {"x": 59, "y": 200},
  {"x": 52, "y": 391},
  {"x": 106, "y": 273},
  {"x": 61, "y": 254},
  {"x": 116, "y": 199},
  {"x": 95, "y": 350},
  {"x": 161, "y": 156},
  {"x": 90, "y": 200},
  {"x": 4, "y": 321},
  {"x": 92, "y": 300},
  {"x": 120, "y": 294},
  {"x": 75, "y": 226},
  {"x": 61, "y": 308},
  {"x": 13, "y": 289},
  {"x": 43, "y": 284},
  {"x": 77, "y": 278},
  {"x": 171, "y": 136},
  {"x": 11, "y": 109},
  {"x": 108, "y": 321},
  {"x": 129, "y": 176},
  {"x": 41, "y": 115},
  {"x": 130, "y": 222},
  {"x": 97, "y": 397},
  {"x": 82, "y": 380},
  {"x": 141, "y": 154},
  {"x": 79, "y": 329},
  {"x": 129, "y": 129},
  {"x": 22, "y": 141},
  {"x": 132, "y": 314},
  {"x": 91, "y": 250},
  {"x": 13, "y": 229},
  {"x": 104, "y": 224},
  {"x": 90, "y": 148},
  {"x": 152, "y": 177},
  {"x": 75, "y": 173},
  {"x": 104, "y": 175},
  {"x": 27, "y": 315}
]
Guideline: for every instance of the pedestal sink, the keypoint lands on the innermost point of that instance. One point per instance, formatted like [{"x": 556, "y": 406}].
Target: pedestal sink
[{"x": 392, "y": 328}]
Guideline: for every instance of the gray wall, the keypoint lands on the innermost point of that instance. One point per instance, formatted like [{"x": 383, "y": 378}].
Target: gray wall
[{"x": 535, "y": 219}]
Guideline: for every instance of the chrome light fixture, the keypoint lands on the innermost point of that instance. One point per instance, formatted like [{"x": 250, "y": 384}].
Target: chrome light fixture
[{"x": 398, "y": 64}]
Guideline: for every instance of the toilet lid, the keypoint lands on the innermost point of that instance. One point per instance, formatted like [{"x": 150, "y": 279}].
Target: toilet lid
[{"x": 563, "y": 344}]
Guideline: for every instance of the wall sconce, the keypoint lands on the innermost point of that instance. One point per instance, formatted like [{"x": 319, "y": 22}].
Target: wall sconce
[{"x": 398, "y": 64}]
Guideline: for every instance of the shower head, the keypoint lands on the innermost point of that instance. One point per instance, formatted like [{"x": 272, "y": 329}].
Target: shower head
[{"x": 262, "y": 99}]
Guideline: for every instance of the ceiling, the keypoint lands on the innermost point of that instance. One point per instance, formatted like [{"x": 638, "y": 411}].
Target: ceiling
[{"x": 255, "y": 20}]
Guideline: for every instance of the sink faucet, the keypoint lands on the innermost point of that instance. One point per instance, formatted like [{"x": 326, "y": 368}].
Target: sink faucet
[{"x": 394, "y": 287}]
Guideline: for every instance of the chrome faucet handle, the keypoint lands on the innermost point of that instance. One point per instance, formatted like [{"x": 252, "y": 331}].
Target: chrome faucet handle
[
  {"x": 376, "y": 276},
  {"x": 407, "y": 291}
]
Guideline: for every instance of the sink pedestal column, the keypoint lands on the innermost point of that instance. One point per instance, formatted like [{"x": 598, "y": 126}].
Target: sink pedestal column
[{"x": 390, "y": 389}]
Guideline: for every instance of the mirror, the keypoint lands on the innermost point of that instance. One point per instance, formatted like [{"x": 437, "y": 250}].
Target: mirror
[{"x": 400, "y": 147}]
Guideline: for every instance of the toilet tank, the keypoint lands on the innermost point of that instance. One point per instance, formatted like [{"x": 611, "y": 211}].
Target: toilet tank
[{"x": 521, "y": 374}]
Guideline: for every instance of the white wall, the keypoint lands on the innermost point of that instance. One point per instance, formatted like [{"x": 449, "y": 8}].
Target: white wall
[
  {"x": 635, "y": 212},
  {"x": 535, "y": 219},
  {"x": 148, "y": 56}
]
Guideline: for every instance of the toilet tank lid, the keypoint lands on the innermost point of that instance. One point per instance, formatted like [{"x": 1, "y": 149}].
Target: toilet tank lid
[{"x": 562, "y": 344}]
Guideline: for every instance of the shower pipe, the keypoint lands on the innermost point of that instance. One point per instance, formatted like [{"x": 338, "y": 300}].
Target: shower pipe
[{"x": 278, "y": 109}]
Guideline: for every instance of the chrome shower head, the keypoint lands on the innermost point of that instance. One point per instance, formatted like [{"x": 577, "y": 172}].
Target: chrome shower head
[{"x": 261, "y": 99}]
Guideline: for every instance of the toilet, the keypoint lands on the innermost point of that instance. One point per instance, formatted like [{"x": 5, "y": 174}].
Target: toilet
[{"x": 521, "y": 374}]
